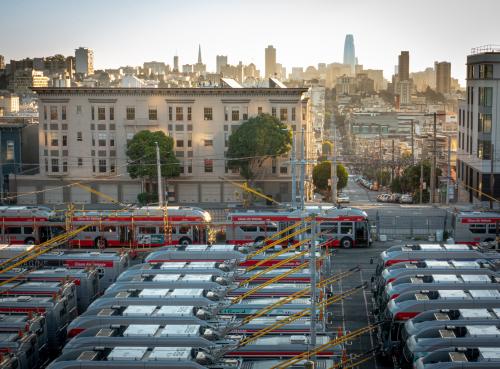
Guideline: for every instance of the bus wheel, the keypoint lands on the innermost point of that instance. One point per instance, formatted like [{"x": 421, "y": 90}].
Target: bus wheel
[
  {"x": 258, "y": 240},
  {"x": 100, "y": 243},
  {"x": 185, "y": 241},
  {"x": 29, "y": 241},
  {"x": 346, "y": 243}
]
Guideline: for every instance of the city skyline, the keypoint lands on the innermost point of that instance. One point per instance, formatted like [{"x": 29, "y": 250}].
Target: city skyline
[{"x": 160, "y": 32}]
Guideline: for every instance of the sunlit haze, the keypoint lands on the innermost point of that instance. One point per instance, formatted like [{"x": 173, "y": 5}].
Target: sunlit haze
[{"x": 304, "y": 33}]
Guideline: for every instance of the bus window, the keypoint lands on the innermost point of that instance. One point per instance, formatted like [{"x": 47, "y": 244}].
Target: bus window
[
  {"x": 268, "y": 228},
  {"x": 28, "y": 230},
  {"x": 183, "y": 230},
  {"x": 91, "y": 229},
  {"x": 248, "y": 228},
  {"x": 492, "y": 229},
  {"x": 147, "y": 230},
  {"x": 477, "y": 228},
  {"x": 346, "y": 228},
  {"x": 329, "y": 227},
  {"x": 13, "y": 230},
  {"x": 108, "y": 228}
]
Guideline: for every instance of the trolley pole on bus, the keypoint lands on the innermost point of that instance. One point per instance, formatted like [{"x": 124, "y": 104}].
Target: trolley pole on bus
[
  {"x": 158, "y": 169},
  {"x": 312, "y": 263}
]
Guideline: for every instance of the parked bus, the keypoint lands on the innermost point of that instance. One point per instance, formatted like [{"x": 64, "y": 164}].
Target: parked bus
[
  {"x": 23, "y": 345},
  {"x": 426, "y": 267},
  {"x": 443, "y": 317},
  {"x": 345, "y": 227},
  {"x": 458, "y": 335},
  {"x": 141, "y": 227},
  {"x": 108, "y": 264},
  {"x": 409, "y": 305},
  {"x": 418, "y": 252},
  {"x": 435, "y": 282},
  {"x": 473, "y": 227},
  {"x": 471, "y": 357}
]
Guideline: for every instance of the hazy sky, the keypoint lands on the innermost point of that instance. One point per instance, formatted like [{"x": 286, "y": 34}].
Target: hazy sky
[{"x": 127, "y": 32}]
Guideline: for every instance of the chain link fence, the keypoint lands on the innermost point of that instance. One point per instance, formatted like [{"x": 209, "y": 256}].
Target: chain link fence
[{"x": 417, "y": 227}]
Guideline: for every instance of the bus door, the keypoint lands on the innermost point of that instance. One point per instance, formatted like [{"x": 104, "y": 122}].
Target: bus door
[
  {"x": 362, "y": 236},
  {"x": 196, "y": 233},
  {"x": 48, "y": 232},
  {"x": 124, "y": 234}
]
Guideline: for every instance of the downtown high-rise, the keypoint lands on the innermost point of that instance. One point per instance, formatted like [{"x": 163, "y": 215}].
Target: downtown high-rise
[
  {"x": 350, "y": 52},
  {"x": 270, "y": 56}
]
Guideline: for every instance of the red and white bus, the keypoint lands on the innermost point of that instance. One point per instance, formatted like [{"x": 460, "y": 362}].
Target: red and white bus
[
  {"x": 473, "y": 227},
  {"x": 28, "y": 224},
  {"x": 141, "y": 227},
  {"x": 135, "y": 227},
  {"x": 345, "y": 227}
]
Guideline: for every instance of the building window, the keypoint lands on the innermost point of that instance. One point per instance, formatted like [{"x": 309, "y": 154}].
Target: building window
[
  {"x": 189, "y": 127},
  {"x": 190, "y": 168},
  {"x": 189, "y": 143},
  {"x": 130, "y": 113},
  {"x": 102, "y": 165},
  {"x": 484, "y": 123},
  {"x": 273, "y": 112},
  {"x": 190, "y": 154},
  {"x": 65, "y": 166},
  {"x": 53, "y": 113},
  {"x": 112, "y": 140},
  {"x": 235, "y": 115},
  {"x": 65, "y": 140},
  {"x": 79, "y": 136},
  {"x": 80, "y": 162},
  {"x": 485, "y": 96},
  {"x": 209, "y": 166},
  {"x": 153, "y": 114},
  {"x": 483, "y": 149},
  {"x": 101, "y": 113},
  {"x": 78, "y": 109},
  {"x": 45, "y": 112},
  {"x": 283, "y": 170},
  {"x": 170, "y": 113},
  {"x": 179, "y": 113},
  {"x": 45, "y": 140},
  {"x": 259, "y": 110},
  {"x": 283, "y": 114},
  {"x": 9, "y": 153},
  {"x": 112, "y": 166},
  {"x": 54, "y": 142},
  {"x": 111, "y": 113},
  {"x": 245, "y": 113},
  {"x": 486, "y": 71},
  {"x": 189, "y": 112},
  {"x": 179, "y": 154},
  {"x": 92, "y": 112},
  {"x": 46, "y": 165},
  {"x": 55, "y": 165},
  {"x": 208, "y": 143},
  {"x": 54, "y": 126},
  {"x": 93, "y": 165},
  {"x": 64, "y": 126},
  {"x": 207, "y": 114},
  {"x": 226, "y": 113},
  {"x": 179, "y": 143},
  {"x": 179, "y": 128},
  {"x": 130, "y": 136},
  {"x": 293, "y": 115},
  {"x": 63, "y": 112}
]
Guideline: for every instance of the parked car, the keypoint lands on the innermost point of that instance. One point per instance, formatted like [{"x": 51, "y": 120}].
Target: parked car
[
  {"x": 406, "y": 199},
  {"x": 342, "y": 199}
]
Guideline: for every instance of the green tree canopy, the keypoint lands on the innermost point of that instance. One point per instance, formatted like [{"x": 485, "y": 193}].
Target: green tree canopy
[
  {"x": 141, "y": 151},
  {"x": 322, "y": 173},
  {"x": 409, "y": 181},
  {"x": 256, "y": 140}
]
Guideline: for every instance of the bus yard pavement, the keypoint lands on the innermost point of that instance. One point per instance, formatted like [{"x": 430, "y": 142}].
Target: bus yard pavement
[{"x": 355, "y": 312}]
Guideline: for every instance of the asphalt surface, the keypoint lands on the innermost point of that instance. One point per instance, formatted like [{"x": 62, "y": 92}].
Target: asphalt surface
[{"x": 354, "y": 312}]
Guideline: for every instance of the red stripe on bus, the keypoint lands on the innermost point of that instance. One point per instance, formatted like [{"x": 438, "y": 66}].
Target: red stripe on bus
[{"x": 85, "y": 263}]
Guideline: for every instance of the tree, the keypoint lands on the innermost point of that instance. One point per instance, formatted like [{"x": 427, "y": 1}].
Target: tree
[
  {"x": 322, "y": 174},
  {"x": 141, "y": 151},
  {"x": 255, "y": 141},
  {"x": 409, "y": 181}
]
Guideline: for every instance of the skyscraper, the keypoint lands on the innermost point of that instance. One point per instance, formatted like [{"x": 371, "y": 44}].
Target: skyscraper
[
  {"x": 443, "y": 77},
  {"x": 84, "y": 60},
  {"x": 270, "y": 61},
  {"x": 220, "y": 61},
  {"x": 176, "y": 63},
  {"x": 199, "y": 68},
  {"x": 349, "y": 52},
  {"x": 199, "y": 54},
  {"x": 404, "y": 66}
]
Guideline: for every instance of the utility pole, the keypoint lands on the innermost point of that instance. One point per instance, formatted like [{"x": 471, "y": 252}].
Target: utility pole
[
  {"x": 412, "y": 142},
  {"x": 312, "y": 266},
  {"x": 302, "y": 170},
  {"x": 158, "y": 169},
  {"x": 380, "y": 154},
  {"x": 333, "y": 169},
  {"x": 421, "y": 179},
  {"x": 433, "y": 167},
  {"x": 294, "y": 173},
  {"x": 392, "y": 166},
  {"x": 492, "y": 175},
  {"x": 448, "y": 175}
]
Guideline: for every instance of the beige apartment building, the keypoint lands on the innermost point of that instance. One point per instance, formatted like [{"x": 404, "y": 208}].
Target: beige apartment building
[{"x": 84, "y": 132}]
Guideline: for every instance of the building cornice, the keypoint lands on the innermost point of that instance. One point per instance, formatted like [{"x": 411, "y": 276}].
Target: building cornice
[
  {"x": 170, "y": 92},
  {"x": 102, "y": 101},
  {"x": 54, "y": 101}
]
